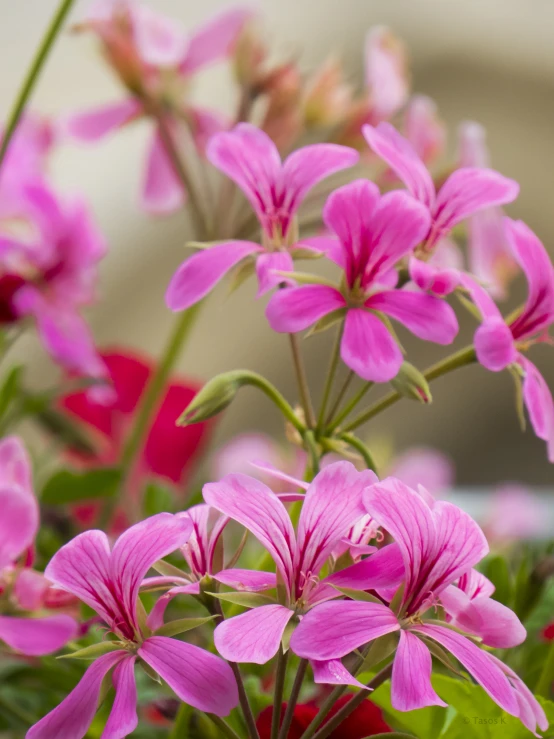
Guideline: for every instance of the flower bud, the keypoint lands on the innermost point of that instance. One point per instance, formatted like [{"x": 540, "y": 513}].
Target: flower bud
[
  {"x": 249, "y": 57},
  {"x": 411, "y": 383},
  {"x": 326, "y": 97},
  {"x": 213, "y": 398}
]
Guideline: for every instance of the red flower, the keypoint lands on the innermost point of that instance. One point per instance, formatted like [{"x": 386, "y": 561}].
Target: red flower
[
  {"x": 169, "y": 451},
  {"x": 365, "y": 720},
  {"x": 548, "y": 632}
]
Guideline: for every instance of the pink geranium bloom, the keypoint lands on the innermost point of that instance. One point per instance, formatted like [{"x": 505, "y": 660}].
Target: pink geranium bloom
[
  {"x": 49, "y": 272},
  {"x": 332, "y": 504},
  {"x": 373, "y": 233},
  {"x": 498, "y": 344},
  {"x": 108, "y": 581},
  {"x": 21, "y": 588},
  {"x": 515, "y": 514},
  {"x": 438, "y": 543},
  {"x": 427, "y": 467},
  {"x": 424, "y": 129},
  {"x": 275, "y": 190},
  {"x": 156, "y": 58}
]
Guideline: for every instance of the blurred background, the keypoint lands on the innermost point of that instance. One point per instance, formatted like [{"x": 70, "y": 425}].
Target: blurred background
[{"x": 487, "y": 60}]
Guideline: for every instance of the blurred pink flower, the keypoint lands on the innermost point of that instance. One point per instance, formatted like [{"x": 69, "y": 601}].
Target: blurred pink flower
[
  {"x": 371, "y": 233},
  {"x": 427, "y": 467},
  {"x": 156, "y": 59},
  {"x": 424, "y": 129},
  {"x": 514, "y": 514}
]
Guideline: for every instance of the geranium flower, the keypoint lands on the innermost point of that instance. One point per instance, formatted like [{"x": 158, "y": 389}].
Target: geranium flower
[
  {"x": 108, "y": 581},
  {"x": 21, "y": 588},
  {"x": 373, "y": 233}
]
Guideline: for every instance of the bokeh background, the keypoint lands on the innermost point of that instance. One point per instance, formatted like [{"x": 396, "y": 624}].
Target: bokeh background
[{"x": 486, "y": 60}]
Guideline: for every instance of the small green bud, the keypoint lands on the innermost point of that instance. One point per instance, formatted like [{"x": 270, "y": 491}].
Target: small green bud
[
  {"x": 213, "y": 398},
  {"x": 411, "y": 383}
]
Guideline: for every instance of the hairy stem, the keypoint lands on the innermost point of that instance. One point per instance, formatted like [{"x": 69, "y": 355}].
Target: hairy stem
[
  {"x": 282, "y": 659},
  {"x": 454, "y": 361},
  {"x": 33, "y": 74},
  {"x": 335, "y": 357},
  {"x": 293, "y": 699},
  {"x": 302, "y": 380}
]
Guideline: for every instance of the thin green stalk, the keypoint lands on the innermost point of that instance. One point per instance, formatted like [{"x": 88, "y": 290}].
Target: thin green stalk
[
  {"x": 313, "y": 455},
  {"x": 245, "y": 703},
  {"x": 293, "y": 699},
  {"x": 181, "y": 723},
  {"x": 33, "y": 74},
  {"x": 342, "y": 392},
  {"x": 335, "y": 357},
  {"x": 302, "y": 380},
  {"x": 282, "y": 659},
  {"x": 454, "y": 361},
  {"x": 149, "y": 402},
  {"x": 222, "y": 726},
  {"x": 546, "y": 679},
  {"x": 349, "y": 407},
  {"x": 361, "y": 448},
  {"x": 353, "y": 703}
]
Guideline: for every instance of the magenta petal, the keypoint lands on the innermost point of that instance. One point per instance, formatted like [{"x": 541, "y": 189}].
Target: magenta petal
[
  {"x": 501, "y": 628},
  {"x": 383, "y": 569},
  {"x": 123, "y": 717},
  {"x": 93, "y": 125},
  {"x": 437, "y": 280},
  {"x": 385, "y": 73},
  {"x": 215, "y": 39},
  {"x": 37, "y": 636},
  {"x": 539, "y": 403},
  {"x": 412, "y": 659},
  {"x": 162, "y": 190},
  {"x": 477, "y": 662},
  {"x": 531, "y": 712},
  {"x": 267, "y": 265},
  {"x": 74, "y": 715},
  {"x": 159, "y": 41},
  {"x": 198, "y": 678},
  {"x": 332, "y": 630},
  {"x": 429, "y": 318},
  {"x": 30, "y": 588},
  {"x": 368, "y": 347},
  {"x": 253, "y": 636},
  {"x": 155, "y": 618},
  {"x": 297, "y": 308},
  {"x": 201, "y": 272},
  {"x": 333, "y": 672},
  {"x": 251, "y": 581},
  {"x": 494, "y": 345},
  {"x": 401, "y": 157}
]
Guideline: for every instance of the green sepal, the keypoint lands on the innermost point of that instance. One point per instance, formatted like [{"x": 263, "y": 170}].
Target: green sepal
[
  {"x": 181, "y": 625},
  {"x": 360, "y": 595},
  {"x": 93, "y": 651},
  {"x": 248, "y": 600},
  {"x": 328, "y": 321},
  {"x": 150, "y": 672},
  {"x": 169, "y": 570},
  {"x": 380, "y": 649}
]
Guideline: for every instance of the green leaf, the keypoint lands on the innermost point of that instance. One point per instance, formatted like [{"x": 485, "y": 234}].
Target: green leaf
[
  {"x": 248, "y": 600},
  {"x": 10, "y": 388},
  {"x": 67, "y": 486},
  {"x": 358, "y": 595},
  {"x": 181, "y": 625},
  {"x": 425, "y": 723},
  {"x": 497, "y": 570},
  {"x": 380, "y": 649},
  {"x": 157, "y": 499},
  {"x": 92, "y": 652},
  {"x": 394, "y": 735},
  {"x": 169, "y": 570}
]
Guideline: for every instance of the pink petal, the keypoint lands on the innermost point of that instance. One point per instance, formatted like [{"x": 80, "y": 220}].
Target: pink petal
[
  {"x": 327, "y": 245},
  {"x": 297, "y": 308},
  {"x": 250, "y": 581},
  {"x": 333, "y": 672},
  {"x": 306, "y": 167},
  {"x": 477, "y": 662},
  {"x": 473, "y": 150},
  {"x": 160, "y": 41},
  {"x": 30, "y": 589},
  {"x": 272, "y": 471},
  {"x": 123, "y": 719},
  {"x": 474, "y": 583},
  {"x": 539, "y": 403},
  {"x": 534, "y": 260},
  {"x": 368, "y": 348},
  {"x": 429, "y": 318},
  {"x": 332, "y": 630},
  {"x": 201, "y": 272},
  {"x": 385, "y": 568},
  {"x": 75, "y": 713},
  {"x": 198, "y": 678},
  {"x": 205, "y": 124},
  {"x": 253, "y": 636},
  {"x": 155, "y": 618},
  {"x": 258, "y": 509},
  {"x": 490, "y": 256},
  {"x": 467, "y": 191},
  {"x": 424, "y": 129},
  {"x": 37, "y": 636},
  {"x": 531, "y": 712},
  {"x": 385, "y": 72},
  {"x": 267, "y": 265},
  {"x": 162, "y": 190},
  {"x": 433, "y": 279},
  {"x": 501, "y": 627},
  {"x": 412, "y": 659},
  {"x": 332, "y": 504},
  {"x": 215, "y": 40},
  {"x": 461, "y": 610},
  {"x": 93, "y": 125},
  {"x": 494, "y": 345},
  {"x": 401, "y": 157}
]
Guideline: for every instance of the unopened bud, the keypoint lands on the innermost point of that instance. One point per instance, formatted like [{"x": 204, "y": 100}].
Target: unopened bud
[
  {"x": 213, "y": 398},
  {"x": 327, "y": 97},
  {"x": 249, "y": 56},
  {"x": 411, "y": 383}
]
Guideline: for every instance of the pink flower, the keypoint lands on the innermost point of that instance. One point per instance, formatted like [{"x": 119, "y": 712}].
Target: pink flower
[
  {"x": 515, "y": 514},
  {"x": 498, "y": 344},
  {"x": 424, "y": 129},
  {"x": 109, "y": 582},
  {"x": 427, "y": 467},
  {"x": 21, "y": 587},
  {"x": 373, "y": 233},
  {"x": 155, "y": 58},
  {"x": 465, "y": 192},
  {"x": 332, "y": 505},
  {"x": 438, "y": 545},
  {"x": 50, "y": 273},
  {"x": 275, "y": 190}
]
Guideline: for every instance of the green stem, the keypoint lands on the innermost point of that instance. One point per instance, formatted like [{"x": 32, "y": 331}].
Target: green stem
[
  {"x": 222, "y": 726},
  {"x": 33, "y": 74},
  {"x": 149, "y": 402},
  {"x": 353, "y": 703},
  {"x": 335, "y": 357},
  {"x": 340, "y": 396},
  {"x": 349, "y": 407},
  {"x": 544, "y": 685},
  {"x": 181, "y": 723},
  {"x": 454, "y": 361},
  {"x": 245, "y": 703},
  {"x": 282, "y": 658},
  {"x": 277, "y": 398},
  {"x": 293, "y": 699},
  {"x": 311, "y": 445},
  {"x": 361, "y": 448},
  {"x": 302, "y": 380}
]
